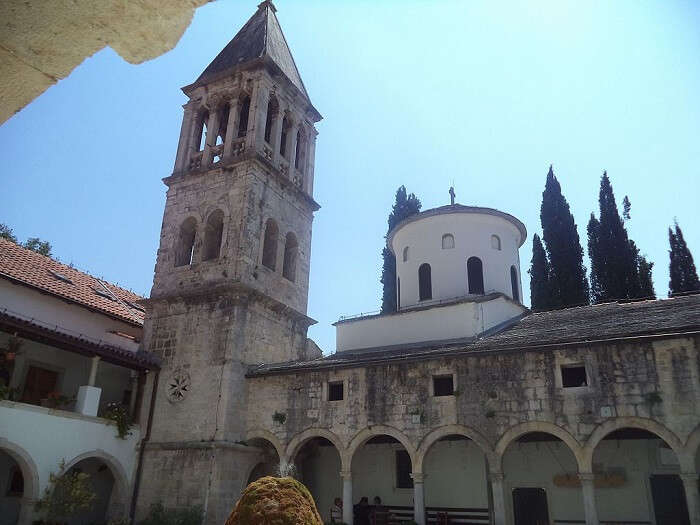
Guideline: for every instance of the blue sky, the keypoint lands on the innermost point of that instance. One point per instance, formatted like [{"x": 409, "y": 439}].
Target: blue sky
[{"x": 483, "y": 94}]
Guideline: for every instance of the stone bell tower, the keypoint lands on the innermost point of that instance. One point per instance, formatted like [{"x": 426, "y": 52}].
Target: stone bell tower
[{"x": 232, "y": 271}]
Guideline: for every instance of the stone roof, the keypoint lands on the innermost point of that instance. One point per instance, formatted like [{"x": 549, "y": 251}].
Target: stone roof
[
  {"x": 26, "y": 267},
  {"x": 458, "y": 208},
  {"x": 581, "y": 325},
  {"x": 259, "y": 38}
]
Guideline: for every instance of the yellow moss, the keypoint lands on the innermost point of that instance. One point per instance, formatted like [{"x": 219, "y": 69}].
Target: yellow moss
[{"x": 275, "y": 501}]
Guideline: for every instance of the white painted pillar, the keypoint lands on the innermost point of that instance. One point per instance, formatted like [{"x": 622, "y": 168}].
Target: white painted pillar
[
  {"x": 499, "y": 501},
  {"x": 418, "y": 498},
  {"x": 134, "y": 389},
  {"x": 183, "y": 148},
  {"x": 588, "y": 489},
  {"x": 692, "y": 498},
  {"x": 346, "y": 475},
  {"x": 212, "y": 133},
  {"x": 231, "y": 127},
  {"x": 93, "y": 370}
]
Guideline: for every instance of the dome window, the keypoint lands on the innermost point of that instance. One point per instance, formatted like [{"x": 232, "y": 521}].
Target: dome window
[
  {"x": 405, "y": 254},
  {"x": 475, "y": 276},
  {"x": 425, "y": 285},
  {"x": 514, "y": 283},
  {"x": 496, "y": 242},
  {"x": 448, "y": 241}
]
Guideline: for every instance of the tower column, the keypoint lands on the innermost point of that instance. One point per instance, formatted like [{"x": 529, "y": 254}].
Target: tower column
[
  {"x": 183, "y": 147},
  {"x": 256, "y": 119},
  {"x": 232, "y": 127},
  {"x": 292, "y": 142},
  {"x": 212, "y": 133},
  {"x": 277, "y": 136}
]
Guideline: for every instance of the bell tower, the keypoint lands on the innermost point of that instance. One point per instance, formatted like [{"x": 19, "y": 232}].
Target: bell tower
[{"x": 231, "y": 277}]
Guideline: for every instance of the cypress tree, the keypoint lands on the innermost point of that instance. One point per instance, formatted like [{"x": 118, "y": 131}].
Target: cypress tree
[
  {"x": 567, "y": 280},
  {"x": 404, "y": 206},
  {"x": 615, "y": 259},
  {"x": 540, "y": 289},
  {"x": 646, "y": 285},
  {"x": 684, "y": 276}
]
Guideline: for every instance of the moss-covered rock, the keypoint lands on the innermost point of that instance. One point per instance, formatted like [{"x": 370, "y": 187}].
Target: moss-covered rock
[{"x": 275, "y": 501}]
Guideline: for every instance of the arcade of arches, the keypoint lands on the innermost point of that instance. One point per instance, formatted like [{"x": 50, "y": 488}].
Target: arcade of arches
[{"x": 537, "y": 473}]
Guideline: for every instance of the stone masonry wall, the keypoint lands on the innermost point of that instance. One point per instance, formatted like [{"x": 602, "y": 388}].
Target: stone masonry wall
[{"x": 495, "y": 392}]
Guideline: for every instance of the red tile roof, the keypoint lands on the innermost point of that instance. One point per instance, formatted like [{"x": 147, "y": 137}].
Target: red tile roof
[{"x": 47, "y": 275}]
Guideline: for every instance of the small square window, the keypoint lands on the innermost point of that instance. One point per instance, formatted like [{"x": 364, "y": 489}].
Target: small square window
[
  {"x": 335, "y": 391},
  {"x": 573, "y": 376},
  {"x": 443, "y": 386}
]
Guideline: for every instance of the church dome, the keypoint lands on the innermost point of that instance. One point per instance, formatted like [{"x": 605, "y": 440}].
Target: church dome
[{"x": 457, "y": 251}]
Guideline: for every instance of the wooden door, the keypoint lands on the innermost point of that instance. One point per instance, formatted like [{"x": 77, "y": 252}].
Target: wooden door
[
  {"x": 38, "y": 384},
  {"x": 530, "y": 506},
  {"x": 668, "y": 495}
]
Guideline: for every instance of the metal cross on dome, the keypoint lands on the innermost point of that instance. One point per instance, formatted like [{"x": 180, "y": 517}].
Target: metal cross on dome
[{"x": 452, "y": 195}]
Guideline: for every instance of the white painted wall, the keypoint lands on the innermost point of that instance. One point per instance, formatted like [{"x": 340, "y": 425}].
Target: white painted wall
[
  {"x": 536, "y": 464},
  {"x": 49, "y": 436},
  {"x": 472, "y": 233},
  {"x": 437, "y": 323},
  {"x": 53, "y": 311}
]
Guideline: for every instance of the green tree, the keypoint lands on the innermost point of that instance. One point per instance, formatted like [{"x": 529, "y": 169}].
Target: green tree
[
  {"x": 405, "y": 205},
  {"x": 540, "y": 289},
  {"x": 37, "y": 245},
  {"x": 7, "y": 233},
  {"x": 568, "y": 285},
  {"x": 615, "y": 259},
  {"x": 684, "y": 276}
]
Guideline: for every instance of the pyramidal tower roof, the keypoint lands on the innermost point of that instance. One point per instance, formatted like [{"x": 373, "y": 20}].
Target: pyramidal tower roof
[{"x": 260, "y": 38}]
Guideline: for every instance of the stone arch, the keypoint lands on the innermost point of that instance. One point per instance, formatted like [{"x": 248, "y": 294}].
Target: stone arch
[
  {"x": 185, "y": 239},
  {"x": 301, "y": 439},
  {"x": 690, "y": 451},
  {"x": 602, "y": 430},
  {"x": 268, "y": 436},
  {"x": 515, "y": 432},
  {"x": 368, "y": 433},
  {"x": 452, "y": 430},
  {"x": 30, "y": 472},
  {"x": 119, "y": 501}
]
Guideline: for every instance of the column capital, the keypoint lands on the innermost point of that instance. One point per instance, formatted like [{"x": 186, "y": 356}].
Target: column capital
[
  {"x": 497, "y": 477},
  {"x": 346, "y": 475},
  {"x": 418, "y": 477},
  {"x": 689, "y": 477},
  {"x": 586, "y": 477}
]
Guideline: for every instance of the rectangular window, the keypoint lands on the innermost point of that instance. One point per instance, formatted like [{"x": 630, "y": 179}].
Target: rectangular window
[
  {"x": 403, "y": 470},
  {"x": 38, "y": 384},
  {"x": 335, "y": 391},
  {"x": 573, "y": 376},
  {"x": 443, "y": 386}
]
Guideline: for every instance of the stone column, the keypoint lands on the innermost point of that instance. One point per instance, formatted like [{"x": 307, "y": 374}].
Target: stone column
[
  {"x": 690, "y": 484},
  {"x": 311, "y": 161},
  {"x": 232, "y": 127},
  {"x": 212, "y": 133},
  {"x": 292, "y": 142},
  {"x": 183, "y": 148},
  {"x": 276, "y": 136},
  {"x": 346, "y": 475},
  {"x": 499, "y": 502},
  {"x": 418, "y": 498},
  {"x": 588, "y": 489},
  {"x": 256, "y": 128},
  {"x": 93, "y": 370}
]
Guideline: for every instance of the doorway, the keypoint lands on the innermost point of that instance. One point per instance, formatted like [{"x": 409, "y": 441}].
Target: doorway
[
  {"x": 668, "y": 495},
  {"x": 530, "y": 506}
]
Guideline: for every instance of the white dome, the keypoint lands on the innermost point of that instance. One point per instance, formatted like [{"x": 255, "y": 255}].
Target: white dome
[{"x": 458, "y": 251}]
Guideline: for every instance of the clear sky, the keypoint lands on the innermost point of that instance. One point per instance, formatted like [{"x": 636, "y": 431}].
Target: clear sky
[{"x": 484, "y": 94}]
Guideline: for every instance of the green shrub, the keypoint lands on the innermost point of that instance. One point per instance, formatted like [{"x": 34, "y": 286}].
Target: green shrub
[{"x": 159, "y": 515}]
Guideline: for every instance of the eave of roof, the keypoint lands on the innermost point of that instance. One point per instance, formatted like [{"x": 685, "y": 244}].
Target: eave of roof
[
  {"x": 457, "y": 208},
  {"x": 32, "y": 330}
]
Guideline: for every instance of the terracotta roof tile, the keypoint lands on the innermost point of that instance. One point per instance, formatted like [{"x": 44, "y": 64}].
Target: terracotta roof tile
[{"x": 27, "y": 267}]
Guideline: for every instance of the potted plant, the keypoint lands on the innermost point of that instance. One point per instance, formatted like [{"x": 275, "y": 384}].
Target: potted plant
[
  {"x": 56, "y": 400},
  {"x": 119, "y": 413}
]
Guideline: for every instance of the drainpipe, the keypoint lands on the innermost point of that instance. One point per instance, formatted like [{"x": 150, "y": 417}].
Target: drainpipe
[{"x": 146, "y": 438}]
